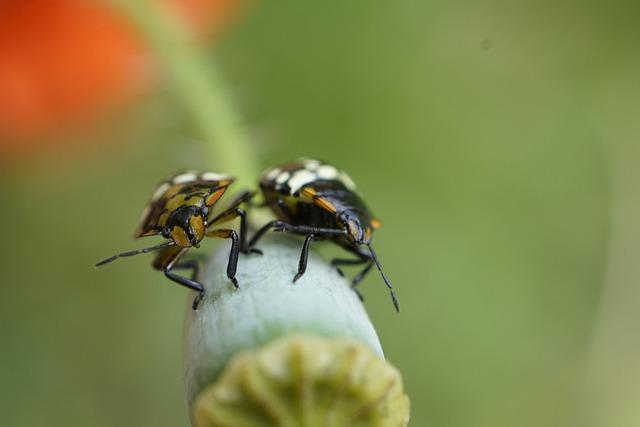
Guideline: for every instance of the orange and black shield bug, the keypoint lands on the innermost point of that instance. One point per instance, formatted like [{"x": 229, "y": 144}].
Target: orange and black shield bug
[
  {"x": 319, "y": 201},
  {"x": 180, "y": 211}
]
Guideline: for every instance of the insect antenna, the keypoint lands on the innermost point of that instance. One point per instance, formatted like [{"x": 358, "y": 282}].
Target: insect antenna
[
  {"x": 136, "y": 252},
  {"x": 385, "y": 278}
]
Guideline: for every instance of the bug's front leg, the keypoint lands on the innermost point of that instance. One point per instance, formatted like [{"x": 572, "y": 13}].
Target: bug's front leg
[
  {"x": 354, "y": 283},
  {"x": 337, "y": 262},
  {"x": 234, "y": 211},
  {"x": 363, "y": 258},
  {"x": 232, "y": 265}
]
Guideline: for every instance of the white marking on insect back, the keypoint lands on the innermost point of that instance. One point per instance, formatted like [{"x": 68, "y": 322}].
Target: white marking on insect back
[
  {"x": 311, "y": 164},
  {"x": 347, "y": 181},
  {"x": 300, "y": 179},
  {"x": 272, "y": 174},
  {"x": 160, "y": 191},
  {"x": 282, "y": 178},
  {"x": 185, "y": 177},
  {"x": 327, "y": 172},
  {"x": 212, "y": 176}
]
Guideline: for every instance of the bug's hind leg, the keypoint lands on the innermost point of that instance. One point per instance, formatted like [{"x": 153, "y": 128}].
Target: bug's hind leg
[
  {"x": 189, "y": 283},
  {"x": 191, "y": 264},
  {"x": 194, "y": 265},
  {"x": 168, "y": 259}
]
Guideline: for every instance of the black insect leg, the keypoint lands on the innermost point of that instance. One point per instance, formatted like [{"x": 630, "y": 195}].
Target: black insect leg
[
  {"x": 192, "y": 264},
  {"x": 361, "y": 275},
  {"x": 337, "y": 262},
  {"x": 304, "y": 230},
  {"x": 191, "y": 284},
  {"x": 277, "y": 225},
  {"x": 304, "y": 256},
  {"x": 181, "y": 280},
  {"x": 234, "y": 212},
  {"x": 358, "y": 278},
  {"x": 168, "y": 259},
  {"x": 363, "y": 258},
  {"x": 231, "y": 214},
  {"x": 232, "y": 265},
  {"x": 262, "y": 231}
]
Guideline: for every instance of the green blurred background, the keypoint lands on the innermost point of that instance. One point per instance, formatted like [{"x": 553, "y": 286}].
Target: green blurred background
[{"x": 498, "y": 143}]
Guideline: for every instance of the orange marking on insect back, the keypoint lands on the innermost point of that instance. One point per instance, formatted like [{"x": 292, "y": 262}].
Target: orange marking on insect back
[
  {"x": 308, "y": 193},
  {"x": 215, "y": 196},
  {"x": 375, "y": 224},
  {"x": 325, "y": 204}
]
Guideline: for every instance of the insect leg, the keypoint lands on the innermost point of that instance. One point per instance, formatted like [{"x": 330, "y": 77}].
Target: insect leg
[
  {"x": 192, "y": 264},
  {"x": 167, "y": 260},
  {"x": 304, "y": 256},
  {"x": 304, "y": 230},
  {"x": 358, "y": 278},
  {"x": 364, "y": 257},
  {"x": 337, "y": 262},
  {"x": 243, "y": 230},
  {"x": 233, "y": 212},
  {"x": 232, "y": 266},
  {"x": 262, "y": 231}
]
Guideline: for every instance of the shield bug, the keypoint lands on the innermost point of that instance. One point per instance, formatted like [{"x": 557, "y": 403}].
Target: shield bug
[
  {"x": 320, "y": 202},
  {"x": 180, "y": 211}
]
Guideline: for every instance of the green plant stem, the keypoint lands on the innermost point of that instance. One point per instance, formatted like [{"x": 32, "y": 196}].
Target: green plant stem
[{"x": 197, "y": 83}]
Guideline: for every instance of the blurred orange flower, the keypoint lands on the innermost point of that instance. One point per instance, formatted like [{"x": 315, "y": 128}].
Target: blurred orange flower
[{"x": 61, "y": 61}]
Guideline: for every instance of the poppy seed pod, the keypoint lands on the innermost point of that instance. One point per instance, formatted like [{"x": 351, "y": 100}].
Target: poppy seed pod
[{"x": 288, "y": 354}]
